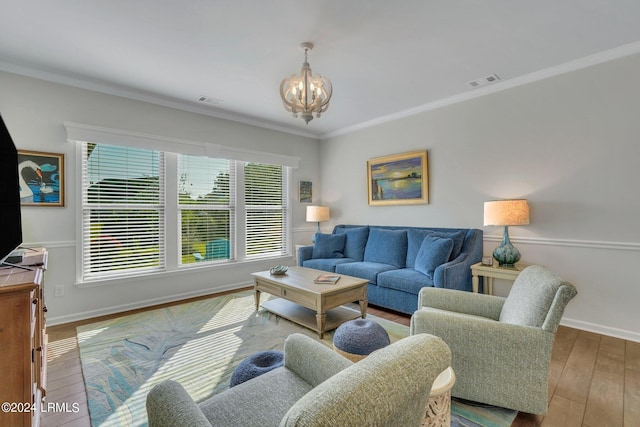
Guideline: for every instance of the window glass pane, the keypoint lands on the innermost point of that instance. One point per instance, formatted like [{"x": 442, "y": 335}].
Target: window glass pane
[
  {"x": 266, "y": 207},
  {"x": 205, "y": 203},
  {"x": 202, "y": 180},
  {"x": 123, "y": 210},
  {"x": 205, "y": 235},
  {"x": 123, "y": 240}
]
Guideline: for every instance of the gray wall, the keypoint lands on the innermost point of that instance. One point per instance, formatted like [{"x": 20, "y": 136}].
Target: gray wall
[
  {"x": 569, "y": 144},
  {"x": 34, "y": 112}
]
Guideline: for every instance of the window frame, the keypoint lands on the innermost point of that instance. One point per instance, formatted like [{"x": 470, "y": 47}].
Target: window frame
[{"x": 172, "y": 230}]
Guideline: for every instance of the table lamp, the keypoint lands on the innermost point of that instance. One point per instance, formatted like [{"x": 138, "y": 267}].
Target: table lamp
[
  {"x": 506, "y": 213},
  {"x": 317, "y": 214}
]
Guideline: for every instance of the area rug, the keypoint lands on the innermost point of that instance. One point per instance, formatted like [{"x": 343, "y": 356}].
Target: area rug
[{"x": 197, "y": 344}]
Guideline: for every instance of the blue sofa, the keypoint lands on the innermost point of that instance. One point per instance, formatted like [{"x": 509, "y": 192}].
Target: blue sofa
[{"x": 397, "y": 261}]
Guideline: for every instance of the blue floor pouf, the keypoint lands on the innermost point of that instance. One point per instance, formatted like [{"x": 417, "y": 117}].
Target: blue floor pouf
[
  {"x": 356, "y": 339},
  {"x": 255, "y": 365}
]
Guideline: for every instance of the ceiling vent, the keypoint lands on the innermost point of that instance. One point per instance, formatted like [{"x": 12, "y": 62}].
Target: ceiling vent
[
  {"x": 208, "y": 100},
  {"x": 493, "y": 78}
]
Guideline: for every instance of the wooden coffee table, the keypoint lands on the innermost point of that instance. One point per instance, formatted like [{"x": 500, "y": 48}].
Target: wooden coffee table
[{"x": 315, "y": 306}]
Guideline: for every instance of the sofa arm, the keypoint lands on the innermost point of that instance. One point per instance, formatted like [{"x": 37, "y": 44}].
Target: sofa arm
[
  {"x": 169, "y": 404},
  {"x": 304, "y": 253},
  {"x": 455, "y": 274},
  {"x": 461, "y": 302},
  {"x": 314, "y": 362}
]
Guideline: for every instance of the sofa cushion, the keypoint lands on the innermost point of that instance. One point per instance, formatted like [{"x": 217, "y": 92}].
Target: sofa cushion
[
  {"x": 415, "y": 237},
  {"x": 326, "y": 264},
  {"x": 433, "y": 252},
  {"x": 356, "y": 241},
  {"x": 328, "y": 246},
  {"x": 285, "y": 389},
  {"x": 405, "y": 280},
  {"x": 387, "y": 247},
  {"x": 364, "y": 270}
]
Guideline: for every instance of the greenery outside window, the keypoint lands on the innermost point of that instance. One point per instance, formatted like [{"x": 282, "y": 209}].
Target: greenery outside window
[{"x": 206, "y": 205}]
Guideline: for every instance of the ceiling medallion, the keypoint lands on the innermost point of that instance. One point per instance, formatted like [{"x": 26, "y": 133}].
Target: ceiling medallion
[{"x": 306, "y": 94}]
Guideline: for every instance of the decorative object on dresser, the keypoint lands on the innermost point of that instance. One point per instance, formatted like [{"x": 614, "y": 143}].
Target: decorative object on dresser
[
  {"x": 23, "y": 340},
  {"x": 505, "y": 213},
  {"x": 317, "y": 214}
]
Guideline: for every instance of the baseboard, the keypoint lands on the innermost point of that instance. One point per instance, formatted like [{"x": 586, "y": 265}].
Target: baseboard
[
  {"x": 602, "y": 330},
  {"x": 58, "y": 320}
]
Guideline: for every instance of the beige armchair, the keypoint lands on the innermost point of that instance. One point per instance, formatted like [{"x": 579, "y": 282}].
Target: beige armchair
[
  {"x": 317, "y": 387},
  {"x": 501, "y": 347}
]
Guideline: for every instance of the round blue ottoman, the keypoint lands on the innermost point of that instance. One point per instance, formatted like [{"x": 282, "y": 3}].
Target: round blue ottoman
[
  {"x": 256, "y": 365},
  {"x": 356, "y": 339}
]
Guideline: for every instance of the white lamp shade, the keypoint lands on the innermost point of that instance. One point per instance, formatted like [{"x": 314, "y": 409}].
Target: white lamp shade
[
  {"x": 506, "y": 212},
  {"x": 317, "y": 213}
]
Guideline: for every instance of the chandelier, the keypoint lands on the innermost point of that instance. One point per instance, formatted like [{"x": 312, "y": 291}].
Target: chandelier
[{"x": 306, "y": 94}]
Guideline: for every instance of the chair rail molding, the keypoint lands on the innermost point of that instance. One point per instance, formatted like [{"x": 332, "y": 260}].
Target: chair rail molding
[{"x": 593, "y": 244}]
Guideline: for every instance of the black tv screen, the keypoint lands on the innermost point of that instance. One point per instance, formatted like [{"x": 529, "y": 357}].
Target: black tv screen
[{"x": 10, "y": 215}]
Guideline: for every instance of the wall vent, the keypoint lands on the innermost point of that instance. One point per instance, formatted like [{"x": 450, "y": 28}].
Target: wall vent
[
  {"x": 208, "y": 100},
  {"x": 493, "y": 78}
]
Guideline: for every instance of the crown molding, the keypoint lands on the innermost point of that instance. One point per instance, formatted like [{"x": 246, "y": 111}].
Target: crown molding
[{"x": 567, "y": 67}]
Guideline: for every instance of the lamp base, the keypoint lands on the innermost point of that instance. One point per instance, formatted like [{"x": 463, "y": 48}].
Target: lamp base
[{"x": 506, "y": 254}]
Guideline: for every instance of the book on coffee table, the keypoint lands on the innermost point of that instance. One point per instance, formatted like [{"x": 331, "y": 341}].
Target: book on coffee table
[{"x": 327, "y": 278}]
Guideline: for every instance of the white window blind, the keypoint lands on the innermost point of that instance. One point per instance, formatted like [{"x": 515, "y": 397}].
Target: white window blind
[
  {"x": 266, "y": 196},
  {"x": 122, "y": 210},
  {"x": 206, "y": 205}
]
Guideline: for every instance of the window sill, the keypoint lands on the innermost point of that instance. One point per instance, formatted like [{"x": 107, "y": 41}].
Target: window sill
[{"x": 185, "y": 270}]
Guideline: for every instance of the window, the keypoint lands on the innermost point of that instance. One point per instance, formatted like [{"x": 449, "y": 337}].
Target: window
[
  {"x": 206, "y": 204},
  {"x": 265, "y": 195},
  {"x": 122, "y": 210},
  {"x": 125, "y": 214}
]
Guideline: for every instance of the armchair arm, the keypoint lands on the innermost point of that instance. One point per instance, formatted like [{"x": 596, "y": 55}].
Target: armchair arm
[
  {"x": 314, "y": 362},
  {"x": 461, "y": 302},
  {"x": 169, "y": 404},
  {"x": 304, "y": 253}
]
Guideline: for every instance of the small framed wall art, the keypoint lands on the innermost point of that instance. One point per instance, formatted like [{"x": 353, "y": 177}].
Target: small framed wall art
[
  {"x": 41, "y": 177},
  {"x": 400, "y": 179},
  {"x": 305, "y": 192}
]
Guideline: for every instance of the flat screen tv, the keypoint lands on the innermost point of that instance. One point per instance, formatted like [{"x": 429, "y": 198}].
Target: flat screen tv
[{"x": 10, "y": 215}]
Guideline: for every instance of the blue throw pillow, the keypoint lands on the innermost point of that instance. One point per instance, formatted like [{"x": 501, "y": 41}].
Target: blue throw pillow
[
  {"x": 328, "y": 246},
  {"x": 387, "y": 246},
  {"x": 416, "y": 237},
  {"x": 356, "y": 241},
  {"x": 433, "y": 252}
]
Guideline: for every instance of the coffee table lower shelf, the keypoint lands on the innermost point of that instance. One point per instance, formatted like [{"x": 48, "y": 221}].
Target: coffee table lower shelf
[{"x": 307, "y": 317}]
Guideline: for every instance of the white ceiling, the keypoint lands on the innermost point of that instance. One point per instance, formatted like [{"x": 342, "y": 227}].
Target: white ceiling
[{"x": 384, "y": 58}]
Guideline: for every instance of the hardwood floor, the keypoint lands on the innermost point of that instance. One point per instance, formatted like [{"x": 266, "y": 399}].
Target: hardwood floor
[{"x": 594, "y": 380}]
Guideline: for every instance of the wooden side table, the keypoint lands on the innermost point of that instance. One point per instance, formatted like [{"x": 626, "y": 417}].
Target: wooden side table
[{"x": 490, "y": 272}]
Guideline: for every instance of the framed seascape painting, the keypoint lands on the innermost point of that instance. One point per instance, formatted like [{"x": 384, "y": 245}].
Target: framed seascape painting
[
  {"x": 400, "y": 179},
  {"x": 41, "y": 178}
]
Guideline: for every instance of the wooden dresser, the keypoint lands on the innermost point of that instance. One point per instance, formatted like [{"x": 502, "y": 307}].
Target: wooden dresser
[{"x": 23, "y": 340}]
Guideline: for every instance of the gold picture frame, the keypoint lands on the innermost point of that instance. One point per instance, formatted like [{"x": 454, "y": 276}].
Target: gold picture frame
[
  {"x": 399, "y": 179},
  {"x": 41, "y": 177}
]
